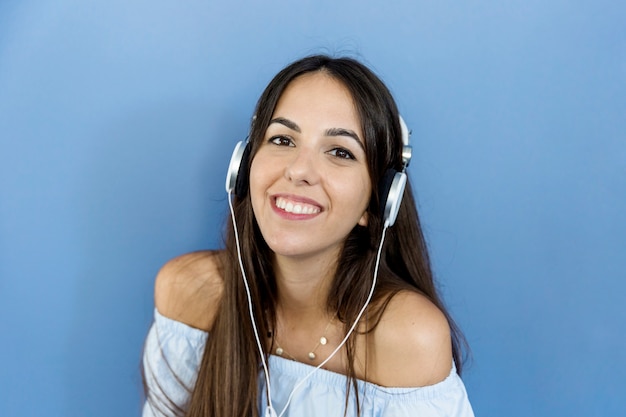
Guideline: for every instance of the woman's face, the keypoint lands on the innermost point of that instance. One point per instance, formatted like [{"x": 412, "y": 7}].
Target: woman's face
[{"x": 309, "y": 180}]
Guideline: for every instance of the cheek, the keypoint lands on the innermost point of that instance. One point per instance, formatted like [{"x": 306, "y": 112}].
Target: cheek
[
  {"x": 366, "y": 192},
  {"x": 262, "y": 174},
  {"x": 356, "y": 193}
]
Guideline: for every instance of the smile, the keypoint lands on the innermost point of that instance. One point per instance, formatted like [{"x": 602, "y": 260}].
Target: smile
[{"x": 296, "y": 207}]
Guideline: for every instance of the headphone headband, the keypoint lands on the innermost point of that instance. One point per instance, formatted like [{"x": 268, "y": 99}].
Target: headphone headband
[{"x": 407, "y": 150}]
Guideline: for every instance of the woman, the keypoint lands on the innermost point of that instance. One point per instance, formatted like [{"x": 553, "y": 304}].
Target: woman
[{"x": 310, "y": 218}]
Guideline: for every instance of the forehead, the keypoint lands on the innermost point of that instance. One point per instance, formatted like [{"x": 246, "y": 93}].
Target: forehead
[{"x": 318, "y": 94}]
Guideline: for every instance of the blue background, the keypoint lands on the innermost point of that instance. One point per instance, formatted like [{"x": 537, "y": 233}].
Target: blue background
[{"x": 117, "y": 119}]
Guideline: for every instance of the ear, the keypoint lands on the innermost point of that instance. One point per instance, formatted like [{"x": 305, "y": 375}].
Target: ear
[{"x": 363, "y": 220}]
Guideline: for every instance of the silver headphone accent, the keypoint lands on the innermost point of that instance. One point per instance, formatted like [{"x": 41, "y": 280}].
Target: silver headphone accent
[
  {"x": 234, "y": 165},
  {"x": 398, "y": 184}
]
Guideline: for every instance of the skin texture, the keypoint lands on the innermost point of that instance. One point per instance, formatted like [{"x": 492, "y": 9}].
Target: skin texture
[
  {"x": 189, "y": 288},
  {"x": 313, "y": 156},
  {"x": 308, "y": 158}
]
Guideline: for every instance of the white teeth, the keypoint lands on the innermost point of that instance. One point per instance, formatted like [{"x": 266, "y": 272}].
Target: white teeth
[{"x": 296, "y": 208}]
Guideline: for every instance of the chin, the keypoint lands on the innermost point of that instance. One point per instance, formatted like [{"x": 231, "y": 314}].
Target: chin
[{"x": 299, "y": 249}]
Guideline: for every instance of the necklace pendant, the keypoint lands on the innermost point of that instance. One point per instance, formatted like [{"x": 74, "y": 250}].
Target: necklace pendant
[
  {"x": 279, "y": 351},
  {"x": 312, "y": 355}
]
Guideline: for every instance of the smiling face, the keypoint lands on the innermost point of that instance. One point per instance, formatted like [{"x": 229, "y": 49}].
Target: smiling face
[{"x": 309, "y": 180}]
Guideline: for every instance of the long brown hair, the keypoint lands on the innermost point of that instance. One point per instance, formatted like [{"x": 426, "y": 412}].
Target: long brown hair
[{"x": 227, "y": 379}]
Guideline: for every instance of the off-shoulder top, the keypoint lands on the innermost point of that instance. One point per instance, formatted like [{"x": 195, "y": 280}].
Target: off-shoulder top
[{"x": 172, "y": 356}]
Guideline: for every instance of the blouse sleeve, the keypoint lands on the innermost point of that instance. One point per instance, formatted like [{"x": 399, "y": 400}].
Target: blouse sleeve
[
  {"x": 171, "y": 358},
  {"x": 444, "y": 399},
  {"x": 324, "y": 394}
]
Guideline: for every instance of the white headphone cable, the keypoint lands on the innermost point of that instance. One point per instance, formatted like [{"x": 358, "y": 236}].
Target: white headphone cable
[{"x": 270, "y": 412}]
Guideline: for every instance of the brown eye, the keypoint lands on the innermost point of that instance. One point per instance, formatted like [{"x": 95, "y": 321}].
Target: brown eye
[
  {"x": 341, "y": 153},
  {"x": 281, "y": 141}
]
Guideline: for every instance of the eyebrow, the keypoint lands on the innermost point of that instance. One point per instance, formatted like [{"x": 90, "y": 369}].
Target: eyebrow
[
  {"x": 333, "y": 131},
  {"x": 337, "y": 131},
  {"x": 286, "y": 122}
]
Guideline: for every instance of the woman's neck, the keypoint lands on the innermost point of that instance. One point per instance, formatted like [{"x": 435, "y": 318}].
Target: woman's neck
[
  {"x": 302, "y": 312},
  {"x": 303, "y": 285}
]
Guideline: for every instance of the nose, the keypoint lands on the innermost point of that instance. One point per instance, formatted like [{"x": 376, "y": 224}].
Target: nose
[{"x": 303, "y": 167}]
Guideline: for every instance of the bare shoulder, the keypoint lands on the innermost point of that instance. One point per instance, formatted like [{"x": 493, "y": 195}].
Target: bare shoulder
[
  {"x": 412, "y": 344},
  {"x": 189, "y": 288}
]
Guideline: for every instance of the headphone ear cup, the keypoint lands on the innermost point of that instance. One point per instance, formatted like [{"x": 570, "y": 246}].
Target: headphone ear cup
[
  {"x": 237, "y": 176},
  {"x": 391, "y": 192},
  {"x": 383, "y": 188}
]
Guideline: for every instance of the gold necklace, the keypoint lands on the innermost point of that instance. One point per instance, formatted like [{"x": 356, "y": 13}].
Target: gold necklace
[{"x": 323, "y": 340}]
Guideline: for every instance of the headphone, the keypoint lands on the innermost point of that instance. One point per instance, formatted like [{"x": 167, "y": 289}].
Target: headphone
[{"x": 391, "y": 186}]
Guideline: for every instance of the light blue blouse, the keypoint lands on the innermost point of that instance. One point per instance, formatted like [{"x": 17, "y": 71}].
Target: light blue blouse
[{"x": 172, "y": 356}]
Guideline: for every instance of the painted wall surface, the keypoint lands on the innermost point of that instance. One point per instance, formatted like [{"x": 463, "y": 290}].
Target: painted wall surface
[{"x": 117, "y": 120}]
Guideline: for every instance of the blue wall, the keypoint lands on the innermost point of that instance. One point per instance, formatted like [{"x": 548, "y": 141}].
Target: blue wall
[{"x": 117, "y": 119}]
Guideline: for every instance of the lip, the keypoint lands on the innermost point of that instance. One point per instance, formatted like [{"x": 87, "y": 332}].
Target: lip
[{"x": 296, "y": 199}]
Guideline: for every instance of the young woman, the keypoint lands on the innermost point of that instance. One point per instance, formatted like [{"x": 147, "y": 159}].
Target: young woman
[{"x": 332, "y": 285}]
